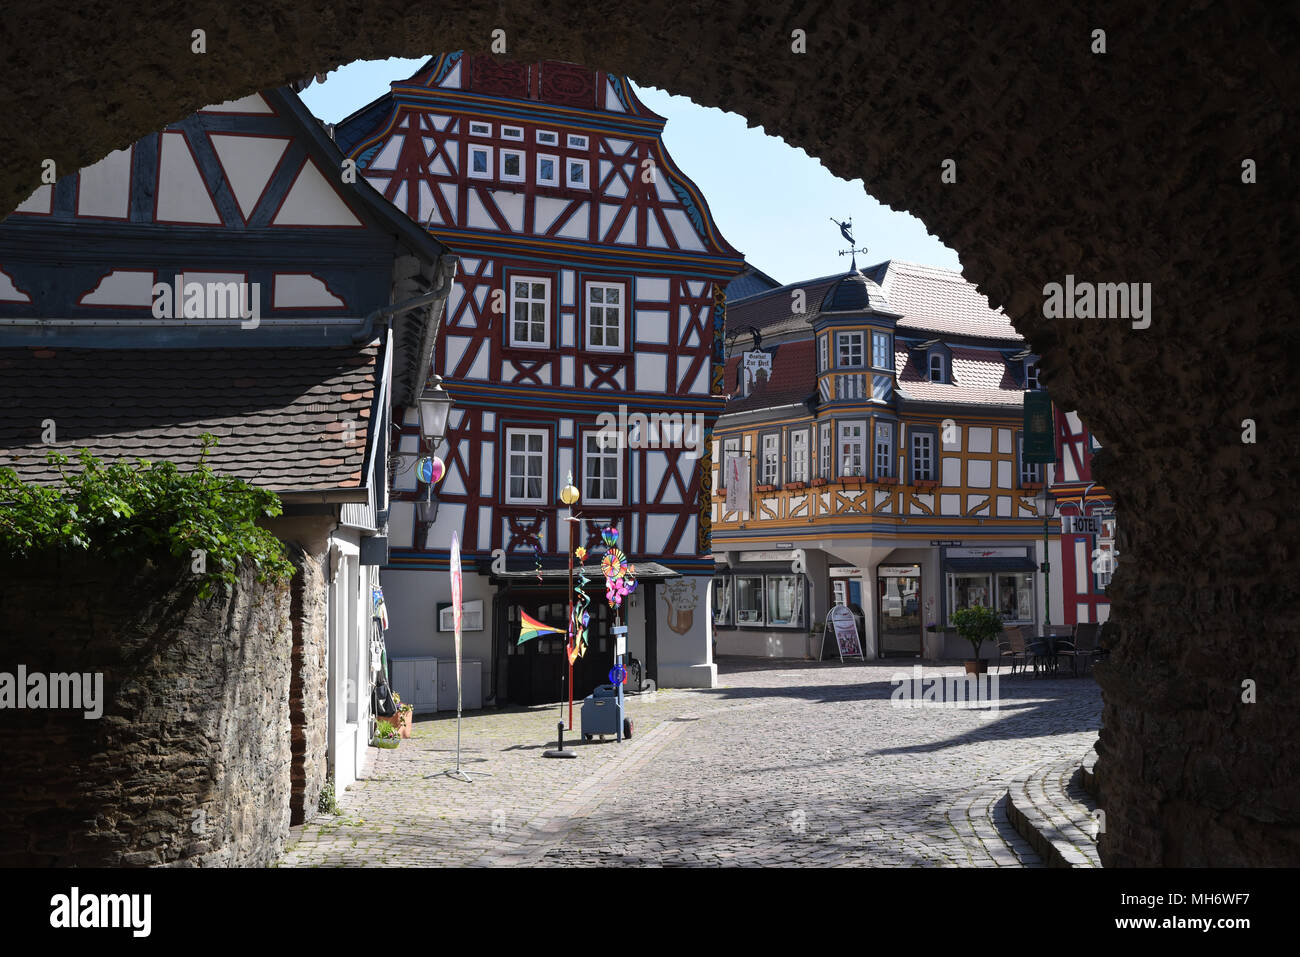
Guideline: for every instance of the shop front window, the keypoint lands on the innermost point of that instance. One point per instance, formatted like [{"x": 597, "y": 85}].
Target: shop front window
[
  {"x": 967, "y": 591},
  {"x": 749, "y": 600},
  {"x": 721, "y": 600},
  {"x": 784, "y": 600},
  {"x": 1016, "y": 596}
]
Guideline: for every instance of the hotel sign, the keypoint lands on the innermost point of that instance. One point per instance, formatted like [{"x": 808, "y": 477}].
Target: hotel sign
[{"x": 1080, "y": 525}]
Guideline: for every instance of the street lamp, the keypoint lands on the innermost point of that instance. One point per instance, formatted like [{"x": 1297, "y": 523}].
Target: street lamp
[
  {"x": 1046, "y": 503},
  {"x": 435, "y": 406},
  {"x": 569, "y": 496}
]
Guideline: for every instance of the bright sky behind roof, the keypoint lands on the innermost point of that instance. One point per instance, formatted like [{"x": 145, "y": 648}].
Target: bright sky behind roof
[{"x": 771, "y": 201}]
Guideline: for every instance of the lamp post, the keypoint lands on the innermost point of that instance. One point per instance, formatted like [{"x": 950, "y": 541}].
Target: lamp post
[
  {"x": 1047, "y": 507},
  {"x": 434, "y": 406},
  {"x": 569, "y": 496}
]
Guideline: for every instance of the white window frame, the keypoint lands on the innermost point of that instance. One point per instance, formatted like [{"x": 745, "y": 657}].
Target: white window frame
[
  {"x": 849, "y": 447},
  {"x": 610, "y": 452},
  {"x": 554, "y": 179},
  {"x": 548, "y": 138},
  {"x": 770, "y": 462},
  {"x": 1030, "y": 472},
  {"x": 1031, "y": 376},
  {"x": 935, "y": 357},
  {"x": 477, "y": 128},
  {"x": 568, "y": 173},
  {"x": 546, "y": 301},
  {"x": 510, "y": 435},
  {"x": 512, "y": 133},
  {"x": 799, "y": 455},
  {"x": 604, "y": 306},
  {"x": 882, "y": 454},
  {"x": 847, "y": 344},
  {"x": 577, "y": 141},
  {"x": 880, "y": 350},
  {"x": 472, "y": 173},
  {"x": 825, "y": 446},
  {"x": 918, "y": 438},
  {"x": 824, "y": 352},
  {"x": 522, "y": 175}
]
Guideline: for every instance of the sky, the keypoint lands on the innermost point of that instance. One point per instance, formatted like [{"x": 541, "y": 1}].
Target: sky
[{"x": 770, "y": 200}]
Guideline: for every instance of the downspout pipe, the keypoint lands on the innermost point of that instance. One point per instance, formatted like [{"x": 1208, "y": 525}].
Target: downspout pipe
[{"x": 446, "y": 273}]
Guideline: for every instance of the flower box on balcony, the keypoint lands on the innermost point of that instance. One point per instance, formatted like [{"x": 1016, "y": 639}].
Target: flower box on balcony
[
  {"x": 818, "y": 482},
  {"x": 857, "y": 481},
  {"x": 765, "y": 488},
  {"x": 925, "y": 483},
  {"x": 790, "y": 486},
  {"x": 1031, "y": 485},
  {"x": 887, "y": 480}
]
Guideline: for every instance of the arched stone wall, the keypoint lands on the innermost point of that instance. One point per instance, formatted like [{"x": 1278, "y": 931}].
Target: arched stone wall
[{"x": 1115, "y": 167}]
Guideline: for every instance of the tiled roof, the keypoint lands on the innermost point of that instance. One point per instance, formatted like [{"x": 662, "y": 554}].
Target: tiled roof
[
  {"x": 929, "y": 299},
  {"x": 793, "y": 380},
  {"x": 281, "y": 414},
  {"x": 939, "y": 300},
  {"x": 979, "y": 377},
  {"x": 749, "y": 283}
]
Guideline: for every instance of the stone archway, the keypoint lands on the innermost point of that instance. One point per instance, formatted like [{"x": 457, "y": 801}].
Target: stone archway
[{"x": 1117, "y": 167}]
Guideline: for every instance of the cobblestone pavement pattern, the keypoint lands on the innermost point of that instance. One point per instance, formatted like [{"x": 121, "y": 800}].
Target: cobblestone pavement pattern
[{"x": 788, "y": 763}]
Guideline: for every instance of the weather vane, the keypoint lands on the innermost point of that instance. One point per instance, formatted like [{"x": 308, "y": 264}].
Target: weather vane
[{"x": 846, "y": 230}]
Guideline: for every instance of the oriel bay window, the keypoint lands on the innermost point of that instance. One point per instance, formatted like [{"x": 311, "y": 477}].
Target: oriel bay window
[
  {"x": 771, "y": 458},
  {"x": 884, "y": 449},
  {"x": 799, "y": 456},
  {"x": 526, "y": 466},
  {"x": 852, "y": 447},
  {"x": 882, "y": 356},
  {"x": 849, "y": 350}
]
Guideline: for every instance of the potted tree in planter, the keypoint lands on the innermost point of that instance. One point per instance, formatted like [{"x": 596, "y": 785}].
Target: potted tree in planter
[
  {"x": 402, "y": 721},
  {"x": 977, "y": 625}
]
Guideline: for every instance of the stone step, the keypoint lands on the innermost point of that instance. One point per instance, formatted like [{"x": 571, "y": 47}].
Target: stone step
[
  {"x": 1050, "y": 808},
  {"x": 981, "y": 820}
]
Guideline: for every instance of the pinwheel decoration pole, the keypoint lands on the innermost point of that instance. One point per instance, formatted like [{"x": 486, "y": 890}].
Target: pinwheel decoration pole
[
  {"x": 569, "y": 496},
  {"x": 620, "y": 581}
]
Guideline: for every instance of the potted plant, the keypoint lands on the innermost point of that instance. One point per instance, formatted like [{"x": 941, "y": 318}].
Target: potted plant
[
  {"x": 386, "y": 735},
  {"x": 404, "y": 718},
  {"x": 793, "y": 486},
  {"x": 819, "y": 482},
  {"x": 977, "y": 625}
]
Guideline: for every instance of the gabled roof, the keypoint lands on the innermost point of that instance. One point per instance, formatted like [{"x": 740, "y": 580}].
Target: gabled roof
[
  {"x": 793, "y": 379},
  {"x": 282, "y": 416}
]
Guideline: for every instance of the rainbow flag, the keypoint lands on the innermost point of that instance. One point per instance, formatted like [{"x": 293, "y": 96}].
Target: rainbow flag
[{"x": 530, "y": 627}]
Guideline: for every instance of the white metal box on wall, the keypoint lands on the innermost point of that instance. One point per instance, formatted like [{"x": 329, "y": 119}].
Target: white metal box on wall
[
  {"x": 472, "y": 688},
  {"x": 415, "y": 679}
]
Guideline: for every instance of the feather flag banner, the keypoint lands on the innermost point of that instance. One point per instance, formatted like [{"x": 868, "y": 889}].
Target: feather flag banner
[
  {"x": 581, "y": 617},
  {"x": 530, "y": 627},
  {"x": 456, "y": 613}
]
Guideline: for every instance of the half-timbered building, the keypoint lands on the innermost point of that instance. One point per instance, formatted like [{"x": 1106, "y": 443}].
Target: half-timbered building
[
  {"x": 224, "y": 276},
  {"x": 1088, "y": 552},
  {"x": 870, "y": 456},
  {"x": 590, "y": 291}
]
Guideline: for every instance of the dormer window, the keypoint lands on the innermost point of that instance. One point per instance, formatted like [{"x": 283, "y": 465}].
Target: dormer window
[
  {"x": 1031, "y": 376},
  {"x": 936, "y": 367}
]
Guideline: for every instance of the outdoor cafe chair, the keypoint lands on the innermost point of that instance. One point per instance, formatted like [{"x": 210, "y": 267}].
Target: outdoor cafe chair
[
  {"x": 1014, "y": 648},
  {"x": 1085, "y": 643}
]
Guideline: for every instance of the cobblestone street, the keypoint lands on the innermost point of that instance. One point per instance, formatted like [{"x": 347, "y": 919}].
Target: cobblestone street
[{"x": 786, "y": 763}]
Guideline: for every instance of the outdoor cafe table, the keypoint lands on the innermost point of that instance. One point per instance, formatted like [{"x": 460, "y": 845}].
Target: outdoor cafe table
[{"x": 1043, "y": 649}]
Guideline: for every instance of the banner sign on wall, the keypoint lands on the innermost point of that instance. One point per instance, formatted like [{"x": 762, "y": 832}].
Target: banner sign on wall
[
  {"x": 1040, "y": 438},
  {"x": 737, "y": 479}
]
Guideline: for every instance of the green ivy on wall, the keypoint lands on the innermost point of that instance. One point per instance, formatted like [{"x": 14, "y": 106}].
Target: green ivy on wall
[{"x": 125, "y": 510}]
